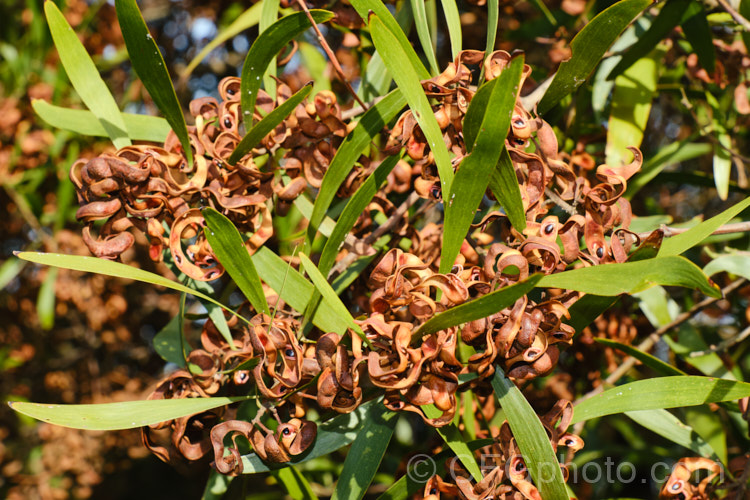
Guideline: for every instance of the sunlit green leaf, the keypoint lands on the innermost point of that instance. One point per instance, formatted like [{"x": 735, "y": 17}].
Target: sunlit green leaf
[
  {"x": 738, "y": 264},
  {"x": 687, "y": 240},
  {"x": 670, "y": 427},
  {"x": 408, "y": 81},
  {"x": 110, "y": 268},
  {"x": 478, "y": 308},
  {"x": 588, "y": 47},
  {"x": 229, "y": 247},
  {"x": 342, "y": 313},
  {"x": 267, "y": 124},
  {"x": 453, "y": 20},
  {"x": 295, "y": 483},
  {"x": 294, "y": 289},
  {"x": 532, "y": 439},
  {"x": 353, "y": 209},
  {"x": 722, "y": 164},
  {"x": 123, "y": 415},
  {"x": 644, "y": 357},
  {"x": 660, "y": 392},
  {"x": 148, "y": 64},
  {"x": 423, "y": 33},
  {"x": 364, "y": 7},
  {"x": 85, "y": 77},
  {"x": 631, "y": 277},
  {"x": 81, "y": 121},
  {"x": 631, "y": 107},
  {"x": 371, "y": 123},
  {"x": 264, "y": 49},
  {"x": 490, "y": 118},
  {"x": 456, "y": 442}
]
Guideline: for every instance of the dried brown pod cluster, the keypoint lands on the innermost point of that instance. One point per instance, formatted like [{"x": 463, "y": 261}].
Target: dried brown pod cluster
[{"x": 571, "y": 220}]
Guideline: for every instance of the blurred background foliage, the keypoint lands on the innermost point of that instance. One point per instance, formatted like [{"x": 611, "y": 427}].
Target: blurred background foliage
[{"x": 74, "y": 337}]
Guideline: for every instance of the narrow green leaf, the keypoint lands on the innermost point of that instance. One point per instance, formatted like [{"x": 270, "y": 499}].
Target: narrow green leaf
[
  {"x": 698, "y": 33},
  {"x": 423, "y": 33},
  {"x": 588, "y": 47},
  {"x": 247, "y": 19},
  {"x": 371, "y": 123},
  {"x": 364, "y": 7},
  {"x": 631, "y": 106},
  {"x": 9, "y": 270},
  {"x": 168, "y": 342},
  {"x": 453, "y": 20},
  {"x": 342, "y": 313},
  {"x": 84, "y": 76},
  {"x": 264, "y": 49},
  {"x": 364, "y": 457},
  {"x": 668, "y": 18},
  {"x": 631, "y": 277},
  {"x": 687, "y": 240},
  {"x": 505, "y": 188},
  {"x": 722, "y": 167},
  {"x": 493, "y": 17},
  {"x": 647, "y": 359},
  {"x": 353, "y": 209},
  {"x": 148, "y": 64},
  {"x": 710, "y": 426},
  {"x": 478, "y": 308},
  {"x": 738, "y": 264},
  {"x": 229, "y": 247},
  {"x": 114, "y": 269},
  {"x": 268, "y": 15},
  {"x": 456, "y": 442},
  {"x": 217, "y": 484},
  {"x": 660, "y": 392},
  {"x": 377, "y": 80},
  {"x": 81, "y": 121},
  {"x": 294, "y": 289},
  {"x": 670, "y": 427},
  {"x": 124, "y": 415},
  {"x": 295, "y": 483},
  {"x": 267, "y": 124},
  {"x": 532, "y": 439},
  {"x": 45, "y": 301},
  {"x": 670, "y": 154},
  {"x": 333, "y": 435},
  {"x": 485, "y": 150},
  {"x": 407, "y": 79}
]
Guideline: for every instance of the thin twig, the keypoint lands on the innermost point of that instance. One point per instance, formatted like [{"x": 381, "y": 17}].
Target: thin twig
[
  {"x": 736, "y": 227},
  {"x": 652, "y": 339},
  {"x": 361, "y": 246},
  {"x": 330, "y": 54},
  {"x": 647, "y": 344},
  {"x": 738, "y": 18},
  {"x": 724, "y": 344},
  {"x": 570, "y": 209}
]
